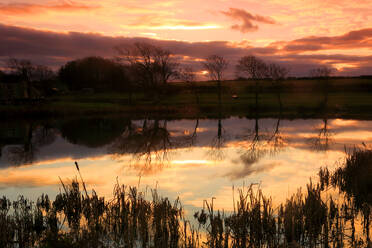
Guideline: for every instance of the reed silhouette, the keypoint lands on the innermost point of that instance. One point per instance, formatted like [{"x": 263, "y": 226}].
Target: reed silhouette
[{"x": 131, "y": 218}]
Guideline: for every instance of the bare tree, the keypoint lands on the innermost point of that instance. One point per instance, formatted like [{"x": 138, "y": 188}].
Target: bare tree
[
  {"x": 25, "y": 70},
  {"x": 321, "y": 72},
  {"x": 187, "y": 75},
  {"x": 29, "y": 73},
  {"x": 43, "y": 73},
  {"x": 165, "y": 64},
  {"x": 21, "y": 67},
  {"x": 324, "y": 139},
  {"x": 277, "y": 73},
  {"x": 152, "y": 66},
  {"x": 215, "y": 66},
  {"x": 252, "y": 67}
]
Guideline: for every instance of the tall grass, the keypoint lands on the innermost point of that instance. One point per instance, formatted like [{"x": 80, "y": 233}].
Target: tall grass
[{"x": 78, "y": 218}]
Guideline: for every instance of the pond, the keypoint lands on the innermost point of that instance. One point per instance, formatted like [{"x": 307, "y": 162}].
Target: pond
[{"x": 195, "y": 159}]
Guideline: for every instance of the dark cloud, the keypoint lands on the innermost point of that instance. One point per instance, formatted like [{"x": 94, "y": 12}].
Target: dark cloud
[
  {"x": 354, "y": 39},
  {"x": 26, "y": 8},
  {"x": 247, "y": 20},
  {"x": 54, "y": 49}
]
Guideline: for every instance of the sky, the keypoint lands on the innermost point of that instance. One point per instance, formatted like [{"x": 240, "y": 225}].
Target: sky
[{"x": 300, "y": 34}]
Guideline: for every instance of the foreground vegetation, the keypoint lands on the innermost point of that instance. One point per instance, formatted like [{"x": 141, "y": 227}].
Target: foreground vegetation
[{"x": 318, "y": 217}]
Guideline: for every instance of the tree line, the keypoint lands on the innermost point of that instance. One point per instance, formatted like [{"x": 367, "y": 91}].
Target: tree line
[{"x": 140, "y": 67}]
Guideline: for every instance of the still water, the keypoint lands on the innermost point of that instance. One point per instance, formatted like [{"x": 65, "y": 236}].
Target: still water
[{"x": 192, "y": 159}]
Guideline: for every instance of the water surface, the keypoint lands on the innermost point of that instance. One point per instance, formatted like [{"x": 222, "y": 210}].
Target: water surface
[{"x": 193, "y": 159}]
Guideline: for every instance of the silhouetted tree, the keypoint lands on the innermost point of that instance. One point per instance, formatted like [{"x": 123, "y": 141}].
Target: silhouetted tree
[
  {"x": 277, "y": 73},
  {"x": 25, "y": 70},
  {"x": 187, "y": 75},
  {"x": 151, "y": 66},
  {"x": 94, "y": 72},
  {"x": 321, "y": 72},
  {"x": 254, "y": 68},
  {"x": 33, "y": 76},
  {"x": 216, "y": 66},
  {"x": 45, "y": 79},
  {"x": 43, "y": 73},
  {"x": 322, "y": 141}
]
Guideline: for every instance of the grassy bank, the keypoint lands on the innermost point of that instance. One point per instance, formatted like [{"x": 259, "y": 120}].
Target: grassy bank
[{"x": 347, "y": 98}]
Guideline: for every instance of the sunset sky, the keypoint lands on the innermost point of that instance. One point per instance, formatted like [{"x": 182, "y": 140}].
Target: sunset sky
[{"x": 300, "y": 34}]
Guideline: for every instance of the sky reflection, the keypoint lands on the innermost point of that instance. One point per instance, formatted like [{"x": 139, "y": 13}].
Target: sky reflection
[{"x": 279, "y": 155}]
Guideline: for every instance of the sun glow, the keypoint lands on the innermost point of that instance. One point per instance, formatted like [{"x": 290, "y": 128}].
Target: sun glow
[
  {"x": 343, "y": 66},
  {"x": 183, "y": 27}
]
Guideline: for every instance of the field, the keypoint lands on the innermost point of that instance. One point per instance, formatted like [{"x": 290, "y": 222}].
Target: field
[{"x": 337, "y": 97}]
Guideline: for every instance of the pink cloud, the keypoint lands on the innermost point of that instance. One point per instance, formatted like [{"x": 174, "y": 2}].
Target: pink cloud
[{"x": 247, "y": 20}]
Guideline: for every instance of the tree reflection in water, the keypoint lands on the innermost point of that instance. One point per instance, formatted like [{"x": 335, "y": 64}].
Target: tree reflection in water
[
  {"x": 217, "y": 144},
  {"x": 323, "y": 139},
  {"x": 215, "y": 151},
  {"x": 150, "y": 145},
  {"x": 35, "y": 137},
  {"x": 259, "y": 143}
]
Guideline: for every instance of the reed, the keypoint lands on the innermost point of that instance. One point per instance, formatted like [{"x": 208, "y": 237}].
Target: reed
[{"x": 81, "y": 218}]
